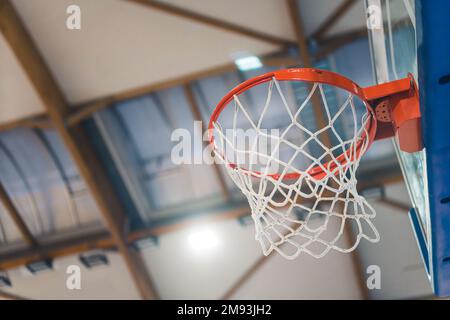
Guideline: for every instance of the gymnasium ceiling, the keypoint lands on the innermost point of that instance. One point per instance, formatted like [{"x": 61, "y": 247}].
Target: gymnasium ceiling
[{"x": 124, "y": 45}]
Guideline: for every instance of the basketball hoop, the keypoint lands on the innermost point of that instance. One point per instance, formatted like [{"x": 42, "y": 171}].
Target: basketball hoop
[{"x": 303, "y": 191}]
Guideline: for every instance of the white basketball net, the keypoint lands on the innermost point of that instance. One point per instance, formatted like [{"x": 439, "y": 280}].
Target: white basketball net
[{"x": 304, "y": 214}]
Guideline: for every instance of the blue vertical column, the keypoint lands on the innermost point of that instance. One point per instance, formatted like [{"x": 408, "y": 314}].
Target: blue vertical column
[{"x": 433, "y": 43}]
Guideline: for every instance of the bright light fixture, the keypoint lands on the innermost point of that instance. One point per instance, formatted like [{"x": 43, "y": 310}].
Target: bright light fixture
[
  {"x": 248, "y": 63},
  {"x": 203, "y": 239}
]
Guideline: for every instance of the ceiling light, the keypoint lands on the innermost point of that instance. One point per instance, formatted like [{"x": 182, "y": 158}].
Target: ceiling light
[
  {"x": 203, "y": 239},
  {"x": 93, "y": 259},
  {"x": 248, "y": 63},
  {"x": 145, "y": 243},
  {"x": 41, "y": 265}
]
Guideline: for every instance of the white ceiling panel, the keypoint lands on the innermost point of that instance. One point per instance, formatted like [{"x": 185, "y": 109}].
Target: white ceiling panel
[
  {"x": 124, "y": 45},
  {"x": 267, "y": 16},
  {"x": 315, "y": 12}
]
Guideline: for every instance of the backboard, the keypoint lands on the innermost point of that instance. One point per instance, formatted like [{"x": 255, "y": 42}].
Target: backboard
[{"x": 413, "y": 36}]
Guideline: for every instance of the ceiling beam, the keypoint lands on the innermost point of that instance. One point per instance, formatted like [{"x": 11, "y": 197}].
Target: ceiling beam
[
  {"x": 395, "y": 204},
  {"x": 373, "y": 180},
  {"x": 76, "y": 141},
  {"x": 16, "y": 217},
  {"x": 10, "y": 296},
  {"x": 58, "y": 248},
  {"x": 332, "y": 19},
  {"x": 85, "y": 110},
  {"x": 102, "y": 240},
  {"x": 195, "y": 110},
  {"x": 40, "y": 121},
  {"x": 331, "y": 44},
  {"x": 213, "y": 22},
  {"x": 243, "y": 279},
  {"x": 297, "y": 25},
  {"x": 81, "y": 113}
]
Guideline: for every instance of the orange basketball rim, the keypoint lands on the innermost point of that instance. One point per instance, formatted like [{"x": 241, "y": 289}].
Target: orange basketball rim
[{"x": 392, "y": 108}]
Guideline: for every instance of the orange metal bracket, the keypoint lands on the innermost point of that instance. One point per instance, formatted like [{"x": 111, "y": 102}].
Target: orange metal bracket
[{"x": 396, "y": 106}]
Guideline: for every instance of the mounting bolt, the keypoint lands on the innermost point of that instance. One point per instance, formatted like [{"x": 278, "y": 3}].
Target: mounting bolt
[{"x": 383, "y": 112}]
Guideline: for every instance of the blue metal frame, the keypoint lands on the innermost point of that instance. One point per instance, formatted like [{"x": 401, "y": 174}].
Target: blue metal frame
[
  {"x": 433, "y": 43},
  {"x": 420, "y": 237}
]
